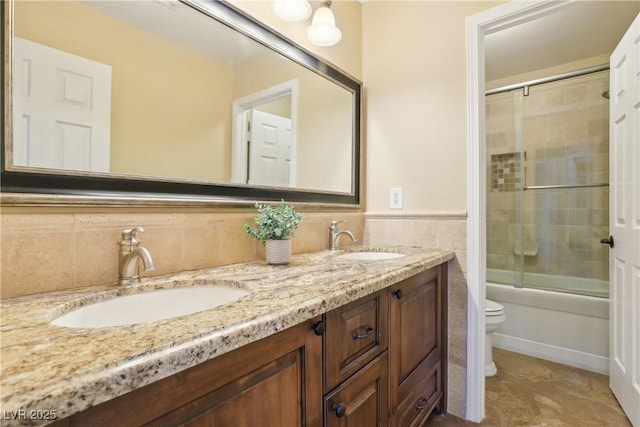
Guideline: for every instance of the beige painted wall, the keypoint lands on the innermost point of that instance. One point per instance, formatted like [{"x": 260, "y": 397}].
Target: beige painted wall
[
  {"x": 170, "y": 105},
  {"x": 414, "y": 74}
]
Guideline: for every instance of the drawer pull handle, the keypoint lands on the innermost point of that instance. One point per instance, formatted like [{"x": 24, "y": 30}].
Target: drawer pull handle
[
  {"x": 422, "y": 403},
  {"x": 398, "y": 293},
  {"x": 318, "y": 328},
  {"x": 362, "y": 332},
  {"x": 340, "y": 409}
]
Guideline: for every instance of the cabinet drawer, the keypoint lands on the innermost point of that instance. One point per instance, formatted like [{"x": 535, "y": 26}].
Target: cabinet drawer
[
  {"x": 420, "y": 402},
  {"x": 362, "y": 400},
  {"x": 355, "y": 335}
]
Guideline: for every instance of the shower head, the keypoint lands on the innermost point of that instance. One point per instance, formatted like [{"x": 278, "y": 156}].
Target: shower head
[{"x": 605, "y": 94}]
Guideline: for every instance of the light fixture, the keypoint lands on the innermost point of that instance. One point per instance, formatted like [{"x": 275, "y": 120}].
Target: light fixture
[
  {"x": 292, "y": 10},
  {"x": 323, "y": 30}
]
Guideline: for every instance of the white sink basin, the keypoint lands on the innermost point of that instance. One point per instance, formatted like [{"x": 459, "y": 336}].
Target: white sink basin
[
  {"x": 369, "y": 256},
  {"x": 149, "y": 306}
]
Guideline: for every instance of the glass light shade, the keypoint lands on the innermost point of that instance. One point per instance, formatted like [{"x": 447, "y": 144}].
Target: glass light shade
[
  {"x": 292, "y": 10},
  {"x": 323, "y": 30}
]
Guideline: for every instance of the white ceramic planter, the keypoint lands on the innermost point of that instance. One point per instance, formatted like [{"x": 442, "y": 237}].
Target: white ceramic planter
[{"x": 278, "y": 251}]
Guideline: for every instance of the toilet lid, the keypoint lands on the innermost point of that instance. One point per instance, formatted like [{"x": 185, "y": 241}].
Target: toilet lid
[{"x": 492, "y": 307}]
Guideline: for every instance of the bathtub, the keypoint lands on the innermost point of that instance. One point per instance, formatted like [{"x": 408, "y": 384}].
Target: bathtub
[{"x": 561, "y": 327}]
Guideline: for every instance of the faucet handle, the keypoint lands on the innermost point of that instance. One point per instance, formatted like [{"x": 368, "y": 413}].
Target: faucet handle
[
  {"x": 334, "y": 224},
  {"x": 129, "y": 236}
]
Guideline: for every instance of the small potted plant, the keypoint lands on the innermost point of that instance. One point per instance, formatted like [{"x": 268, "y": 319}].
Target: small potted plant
[{"x": 274, "y": 226}]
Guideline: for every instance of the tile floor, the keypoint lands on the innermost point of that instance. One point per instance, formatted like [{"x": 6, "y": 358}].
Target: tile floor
[{"x": 529, "y": 392}]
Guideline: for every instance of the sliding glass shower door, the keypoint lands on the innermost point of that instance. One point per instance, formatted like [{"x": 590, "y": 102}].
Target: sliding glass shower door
[{"x": 547, "y": 192}]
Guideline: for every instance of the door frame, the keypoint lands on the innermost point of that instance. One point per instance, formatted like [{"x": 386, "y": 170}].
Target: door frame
[
  {"x": 241, "y": 107},
  {"x": 477, "y": 26}
]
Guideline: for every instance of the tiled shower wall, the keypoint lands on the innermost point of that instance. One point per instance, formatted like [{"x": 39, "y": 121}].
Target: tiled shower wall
[
  {"x": 441, "y": 232},
  {"x": 559, "y": 135}
]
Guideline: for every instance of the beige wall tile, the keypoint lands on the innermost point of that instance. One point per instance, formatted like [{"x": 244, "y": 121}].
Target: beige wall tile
[
  {"x": 397, "y": 232},
  {"x": 456, "y": 402},
  {"x": 457, "y": 322},
  {"x": 37, "y": 261},
  {"x": 457, "y": 285},
  {"x": 203, "y": 245},
  {"x": 97, "y": 256},
  {"x": 458, "y": 351},
  {"x": 46, "y": 252},
  {"x": 424, "y": 233},
  {"x": 452, "y": 234},
  {"x": 374, "y": 232}
]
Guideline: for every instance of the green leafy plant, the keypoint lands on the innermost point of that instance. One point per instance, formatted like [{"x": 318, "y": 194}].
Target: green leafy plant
[{"x": 274, "y": 222}]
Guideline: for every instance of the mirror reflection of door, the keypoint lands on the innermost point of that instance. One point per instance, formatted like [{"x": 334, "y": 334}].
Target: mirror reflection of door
[
  {"x": 264, "y": 137},
  {"x": 62, "y": 109},
  {"x": 269, "y": 149}
]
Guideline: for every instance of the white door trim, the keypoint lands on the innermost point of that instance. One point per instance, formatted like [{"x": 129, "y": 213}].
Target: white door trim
[
  {"x": 493, "y": 20},
  {"x": 238, "y": 127}
]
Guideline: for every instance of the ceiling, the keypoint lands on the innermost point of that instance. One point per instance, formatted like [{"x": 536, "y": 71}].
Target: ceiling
[
  {"x": 581, "y": 29},
  {"x": 182, "y": 24}
]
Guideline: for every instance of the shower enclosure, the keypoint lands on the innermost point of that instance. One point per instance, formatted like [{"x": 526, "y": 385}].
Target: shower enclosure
[{"x": 547, "y": 184}]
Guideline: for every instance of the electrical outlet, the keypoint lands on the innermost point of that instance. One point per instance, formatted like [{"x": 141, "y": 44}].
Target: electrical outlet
[{"x": 396, "y": 198}]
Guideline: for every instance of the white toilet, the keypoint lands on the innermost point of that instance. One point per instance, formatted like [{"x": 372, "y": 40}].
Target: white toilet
[{"x": 493, "y": 318}]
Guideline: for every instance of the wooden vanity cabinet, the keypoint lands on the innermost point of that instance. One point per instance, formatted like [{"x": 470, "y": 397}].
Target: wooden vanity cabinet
[
  {"x": 276, "y": 381},
  {"x": 418, "y": 347},
  {"x": 377, "y": 361}
]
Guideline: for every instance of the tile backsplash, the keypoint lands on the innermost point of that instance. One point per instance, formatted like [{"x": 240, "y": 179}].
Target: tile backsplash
[{"x": 56, "y": 251}]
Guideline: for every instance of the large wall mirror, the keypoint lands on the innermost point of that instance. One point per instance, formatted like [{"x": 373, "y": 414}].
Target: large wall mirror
[{"x": 187, "y": 100}]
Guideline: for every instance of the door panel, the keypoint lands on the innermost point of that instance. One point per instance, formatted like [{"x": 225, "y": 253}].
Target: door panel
[
  {"x": 62, "y": 111},
  {"x": 270, "y": 152},
  {"x": 624, "y": 354}
]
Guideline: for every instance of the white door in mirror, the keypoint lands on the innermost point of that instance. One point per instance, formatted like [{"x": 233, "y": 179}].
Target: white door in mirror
[
  {"x": 149, "y": 306},
  {"x": 62, "y": 109},
  {"x": 270, "y": 152}
]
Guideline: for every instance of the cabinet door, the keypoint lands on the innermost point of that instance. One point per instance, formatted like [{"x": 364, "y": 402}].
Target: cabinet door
[
  {"x": 355, "y": 334},
  {"x": 362, "y": 400},
  {"x": 418, "y": 346},
  {"x": 276, "y": 381}
]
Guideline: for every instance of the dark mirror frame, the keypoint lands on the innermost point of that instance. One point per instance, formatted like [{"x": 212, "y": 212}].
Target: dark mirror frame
[{"x": 108, "y": 188}]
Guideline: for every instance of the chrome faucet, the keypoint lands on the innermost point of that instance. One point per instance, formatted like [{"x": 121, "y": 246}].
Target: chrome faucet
[
  {"x": 130, "y": 253},
  {"x": 335, "y": 234}
]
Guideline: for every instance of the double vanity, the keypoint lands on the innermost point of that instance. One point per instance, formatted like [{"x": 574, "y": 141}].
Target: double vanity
[{"x": 334, "y": 337}]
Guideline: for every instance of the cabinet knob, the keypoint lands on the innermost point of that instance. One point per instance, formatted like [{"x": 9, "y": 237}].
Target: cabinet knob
[
  {"x": 318, "y": 327},
  {"x": 422, "y": 403},
  {"x": 340, "y": 409},
  {"x": 398, "y": 293}
]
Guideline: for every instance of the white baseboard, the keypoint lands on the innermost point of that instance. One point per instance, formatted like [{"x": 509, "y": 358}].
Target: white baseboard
[{"x": 577, "y": 359}]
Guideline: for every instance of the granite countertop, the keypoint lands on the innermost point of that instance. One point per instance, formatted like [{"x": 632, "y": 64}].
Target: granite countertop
[{"x": 66, "y": 370}]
